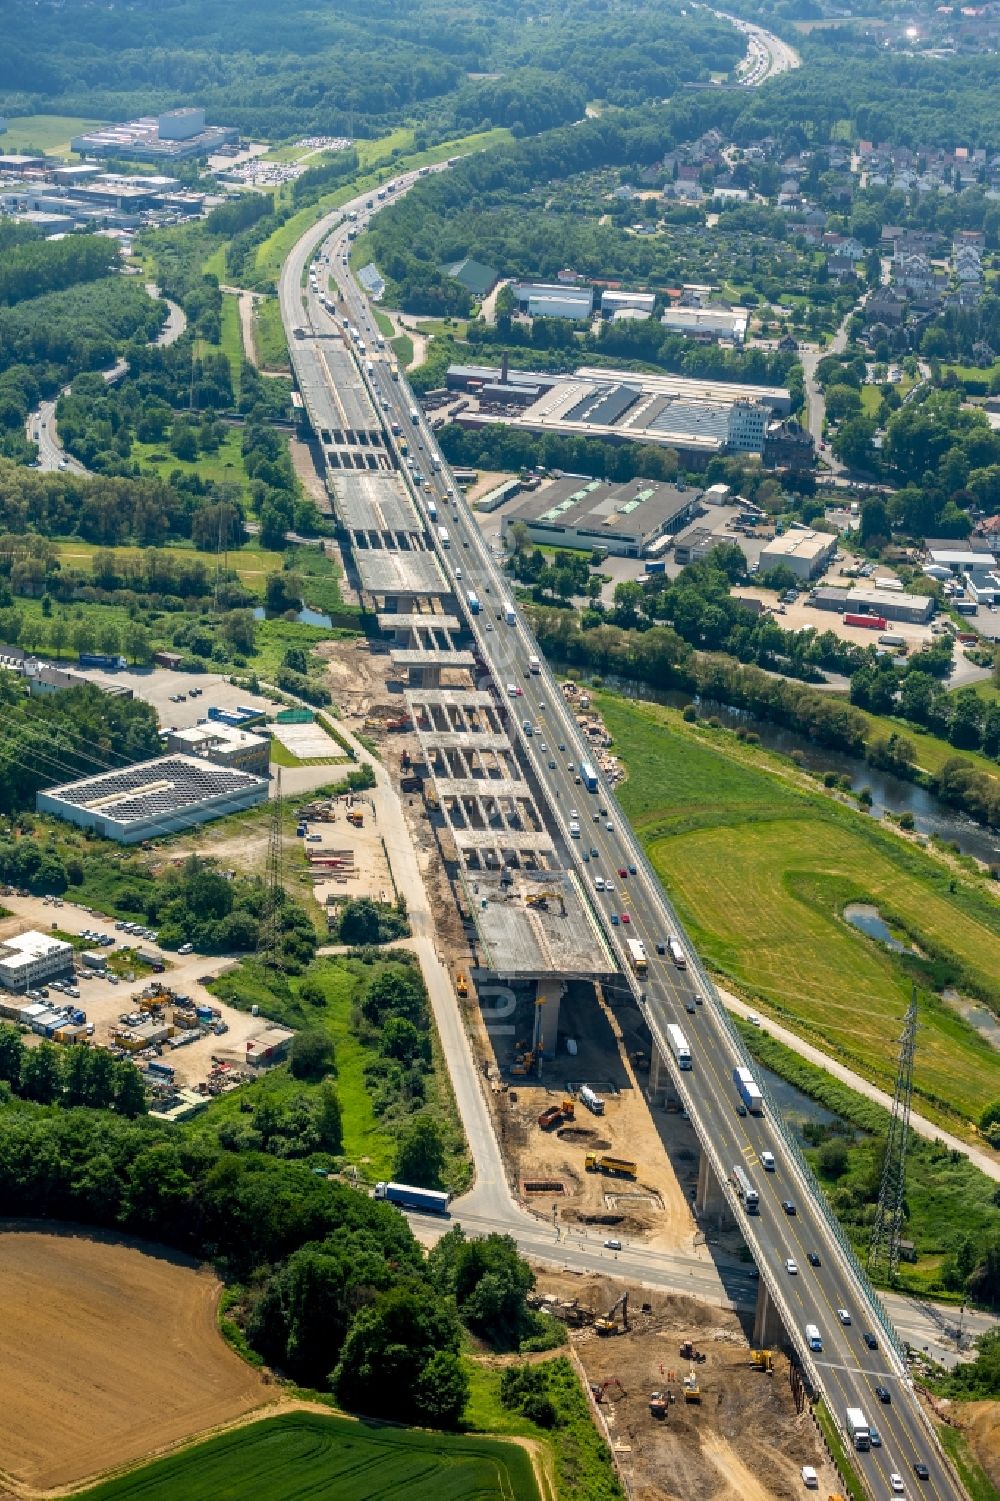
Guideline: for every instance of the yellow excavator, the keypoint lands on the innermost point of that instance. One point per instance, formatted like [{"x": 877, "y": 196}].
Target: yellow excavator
[{"x": 608, "y": 1324}]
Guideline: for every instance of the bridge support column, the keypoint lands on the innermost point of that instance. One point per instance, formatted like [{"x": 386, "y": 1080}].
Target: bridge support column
[
  {"x": 655, "y": 1072},
  {"x": 768, "y": 1328},
  {"x": 548, "y": 994},
  {"x": 710, "y": 1201}
]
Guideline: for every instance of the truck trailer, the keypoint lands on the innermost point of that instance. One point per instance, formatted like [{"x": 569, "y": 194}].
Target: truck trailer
[
  {"x": 857, "y": 1427},
  {"x": 406, "y": 1197},
  {"x": 749, "y": 1093},
  {"x": 679, "y": 1046},
  {"x": 637, "y": 954}
]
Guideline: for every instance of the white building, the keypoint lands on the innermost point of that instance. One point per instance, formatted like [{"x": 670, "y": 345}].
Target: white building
[
  {"x": 746, "y": 425},
  {"x": 804, "y": 552},
  {"x": 615, "y": 302},
  {"x": 723, "y": 325},
  {"x": 30, "y": 959}
]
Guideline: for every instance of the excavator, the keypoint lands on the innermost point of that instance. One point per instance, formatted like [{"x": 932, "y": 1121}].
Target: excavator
[
  {"x": 762, "y": 1360},
  {"x": 608, "y": 1323},
  {"x": 541, "y": 899},
  {"x": 600, "y": 1390}
]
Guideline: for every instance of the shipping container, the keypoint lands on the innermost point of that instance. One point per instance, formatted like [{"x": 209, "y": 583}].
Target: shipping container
[{"x": 868, "y": 622}]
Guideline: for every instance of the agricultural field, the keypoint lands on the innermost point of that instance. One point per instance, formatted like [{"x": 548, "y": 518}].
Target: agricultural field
[
  {"x": 269, "y": 336},
  {"x": 44, "y": 133},
  {"x": 761, "y": 868},
  {"x": 306, "y": 1456},
  {"x": 109, "y": 1352}
]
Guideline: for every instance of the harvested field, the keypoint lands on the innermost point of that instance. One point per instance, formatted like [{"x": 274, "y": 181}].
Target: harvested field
[
  {"x": 308, "y": 1457},
  {"x": 108, "y": 1352},
  {"x": 744, "y": 1440}
]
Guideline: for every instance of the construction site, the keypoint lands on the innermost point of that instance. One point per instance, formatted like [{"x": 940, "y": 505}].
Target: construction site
[{"x": 690, "y": 1411}]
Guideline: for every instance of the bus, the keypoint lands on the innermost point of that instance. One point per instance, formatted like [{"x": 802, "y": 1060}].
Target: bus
[
  {"x": 588, "y": 776},
  {"x": 679, "y": 1046},
  {"x": 443, "y": 537},
  {"x": 637, "y": 954},
  {"x": 748, "y": 1195}
]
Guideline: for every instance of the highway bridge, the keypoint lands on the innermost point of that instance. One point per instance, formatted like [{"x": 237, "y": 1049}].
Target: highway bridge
[{"x": 505, "y": 806}]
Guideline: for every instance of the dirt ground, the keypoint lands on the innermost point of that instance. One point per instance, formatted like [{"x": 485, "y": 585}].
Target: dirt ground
[
  {"x": 981, "y": 1424},
  {"x": 107, "y": 1353},
  {"x": 744, "y": 1441},
  {"x": 487, "y": 480}
]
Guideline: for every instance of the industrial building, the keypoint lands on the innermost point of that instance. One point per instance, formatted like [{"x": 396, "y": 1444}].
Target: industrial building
[
  {"x": 620, "y": 302},
  {"x": 915, "y": 609},
  {"x": 153, "y": 798},
  {"x": 31, "y": 959},
  {"x": 223, "y": 745},
  {"x": 171, "y": 136},
  {"x": 554, "y": 300},
  {"x": 698, "y": 418},
  {"x": 43, "y": 678},
  {"x": 804, "y": 552},
  {"x": 709, "y": 325},
  {"x": 624, "y": 519}
]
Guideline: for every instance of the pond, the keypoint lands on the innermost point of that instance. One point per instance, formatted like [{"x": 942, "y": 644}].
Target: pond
[
  {"x": 304, "y": 617},
  {"x": 797, "y": 1108},
  {"x": 890, "y": 794},
  {"x": 976, "y": 1014},
  {"x": 869, "y": 920}
]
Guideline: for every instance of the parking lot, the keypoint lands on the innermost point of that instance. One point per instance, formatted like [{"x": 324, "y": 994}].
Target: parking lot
[{"x": 161, "y": 686}]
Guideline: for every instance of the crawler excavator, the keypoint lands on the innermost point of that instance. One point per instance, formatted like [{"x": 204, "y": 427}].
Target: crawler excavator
[{"x": 609, "y": 1323}]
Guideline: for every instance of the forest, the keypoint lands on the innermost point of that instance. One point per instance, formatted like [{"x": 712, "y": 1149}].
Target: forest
[{"x": 356, "y": 69}]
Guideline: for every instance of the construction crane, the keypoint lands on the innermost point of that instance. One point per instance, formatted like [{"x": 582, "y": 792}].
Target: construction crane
[{"x": 608, "y": 1324}]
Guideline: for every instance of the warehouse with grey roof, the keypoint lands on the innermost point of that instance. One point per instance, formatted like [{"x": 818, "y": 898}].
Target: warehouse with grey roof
[
  {"x": 153, "y": 798},
  {"x": 586, "y": 513}
]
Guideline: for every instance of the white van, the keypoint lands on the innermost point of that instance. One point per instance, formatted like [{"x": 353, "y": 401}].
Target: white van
[
  {"x": 767, "y": 1161},
  {"x": 809, "y": 1478}
]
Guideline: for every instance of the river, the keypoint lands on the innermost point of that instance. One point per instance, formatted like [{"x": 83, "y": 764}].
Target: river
[{"x": 890, "y": 794}]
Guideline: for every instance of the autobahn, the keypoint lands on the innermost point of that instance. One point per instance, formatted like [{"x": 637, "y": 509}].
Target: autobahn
[{"x": 846, "y": 1370}]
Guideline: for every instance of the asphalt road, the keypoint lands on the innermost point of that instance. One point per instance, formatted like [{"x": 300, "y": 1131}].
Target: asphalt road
[{"x": 846, "y": 1370}]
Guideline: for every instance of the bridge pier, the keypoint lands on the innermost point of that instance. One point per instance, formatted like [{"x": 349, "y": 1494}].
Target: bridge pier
[
  {"x": 710, "y": 1201},
  {"x": 655, "y": 1072},
  {"x": 548, "y": 994},
  {"x": 768, "y": 1327}
]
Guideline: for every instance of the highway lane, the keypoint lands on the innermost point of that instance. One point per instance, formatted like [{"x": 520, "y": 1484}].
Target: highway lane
[{"x": 846, "y": 1370}]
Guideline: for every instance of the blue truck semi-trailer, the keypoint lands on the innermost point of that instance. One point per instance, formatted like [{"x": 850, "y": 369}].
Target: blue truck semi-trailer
[{"x": 405, "y": 1197}]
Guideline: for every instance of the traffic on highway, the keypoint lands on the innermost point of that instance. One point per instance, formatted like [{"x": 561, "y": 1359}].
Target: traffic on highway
[{"x": 842, "y": 1335}]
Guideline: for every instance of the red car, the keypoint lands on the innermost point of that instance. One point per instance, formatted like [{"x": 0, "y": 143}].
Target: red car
[
  {"x": 623, "y": 872},
  {"x": 625, "y": 917}
]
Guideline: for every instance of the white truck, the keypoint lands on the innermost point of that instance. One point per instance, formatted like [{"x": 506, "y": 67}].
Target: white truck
[
  {"x": 857, "y": 1427},
  {"x": 591, "y": 1099},
  {"x": 813, "y": 1337},
  {"x": 509, "y": 615},
  {"x": 679, "y": 1046},
  {"x": 534, "y": 665},
  {"x": 677, "y": 953}
]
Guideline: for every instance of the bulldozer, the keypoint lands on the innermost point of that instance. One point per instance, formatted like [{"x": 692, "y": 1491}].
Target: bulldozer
[
  {"x": 762, "y": 1360},
  {"x": 608, "y": 1323},
  {"x": 461, "y": 984},
  {"x": 687, "y": 1351},
  {"x": 692, "y": 1391}
]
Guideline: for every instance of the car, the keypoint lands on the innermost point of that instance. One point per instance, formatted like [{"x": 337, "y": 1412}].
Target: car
[
  {"x": 561, "y": 746},
  {"x": 614, "y": 919},
  {"x": 625, "y": 918},
  {"x": 883, "y": 1393},
  {"x": 661, "y": 948},
  {"x": 699, "y": 999},
  {"x": 632, "y": 870},
  {"x": 610, "y": 827},
  {"x": 574, "y": 813},
  {"x": 623, "y": 872},
  {"x": 552, "y": 764},
  {"x": 788, "y": 1206},
  {"x": 896, "y": 1483},
  {"x": 791, "y": 1267},
  {"x": 593, "y": 852},
  {"x": 489, "y": 627},
  {"x": 753, "y": 1020},
  {"x": 609, "y": 885},
  {"x": 689, "y": 1007},
  {"x": 541, "y": 708},
  {"x": 570, "y": 766},
  {"x": 543, "y": 746},
  {"x": 921, "y": 1471},
  {"x": 186, "y": 948},
  {"x": 812, "y": 1258},
  {"x": 874, "y": 1437},
  {"x": 741, "y": 1109},
  {"x": 870, "y": 1340},
  {"x": 843, "y": 1315},
  {"x": 612, "y": 1245},
  {"x": 599, "y": 883}
]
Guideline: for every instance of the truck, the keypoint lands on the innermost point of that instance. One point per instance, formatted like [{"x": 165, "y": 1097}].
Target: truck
[
  {"x": 443, "y": 537},
  {"x": 617, "y": 1167},
  {"x": 677, "y": 953},
  {"x": 857, "y": 1427},
  {"x": 813, "y": 1337},
  {"x": 869, "y": 622},
  {"x": 396, "y": 430},
  {"x": 110, "y": 661},
  {"x": 534, "y": 665},
  {"x": 508, "y": 613},
  {"x": 405, "y": 1197},
  {"x": 432, "y": 510},
  {"x": 414, "y": 415},
  {"x": 637, "y": 954},
  {"x": 679, "y": 1046},
  {"x": 591, "y": 1099},
  {"x": 745, "y": 1191},
  {"x": 748, "y": 1091},
  {"x": 474, "y": 605},
  {"x": 588, "y": 776}
]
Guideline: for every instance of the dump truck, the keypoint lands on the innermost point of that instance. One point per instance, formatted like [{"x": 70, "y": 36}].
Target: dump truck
[
  {"x": 617, "y": 1167},
  {"x": 550, "y": 1117},
  {"x": 357, "y": 819}
]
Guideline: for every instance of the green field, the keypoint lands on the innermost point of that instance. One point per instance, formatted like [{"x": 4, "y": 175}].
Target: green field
[
  {"x": 931, "y": 751},
  {"x": 761, "y": 868},
  {"x": 223, "y": 466},
  {"x": 231, "y": 340},
  {"x": 44, "y": 133},
  {"x": 307, "y": 1457},
  {"x": 402, "y": 345},
  {"x": 251, "y": 563},
  {"x": 269, "y": 336}
]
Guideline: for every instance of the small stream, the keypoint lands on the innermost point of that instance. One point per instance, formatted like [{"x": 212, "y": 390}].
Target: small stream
[{"x": 890, "y": 794}]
